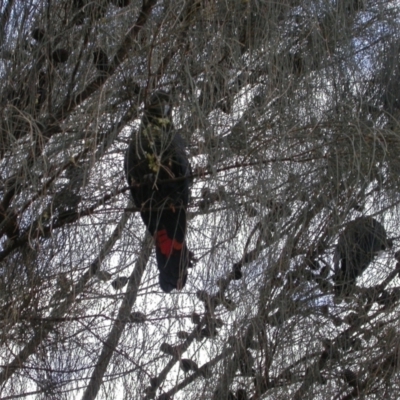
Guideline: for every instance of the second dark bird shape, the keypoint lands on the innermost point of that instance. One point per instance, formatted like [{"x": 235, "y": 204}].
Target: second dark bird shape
[
  {"x": 358, "y": 245},
  {"x": 159, "y": 176}
]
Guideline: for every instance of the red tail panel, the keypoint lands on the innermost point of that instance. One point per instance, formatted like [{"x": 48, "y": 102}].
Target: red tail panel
[{"x": 167, "y": 245}]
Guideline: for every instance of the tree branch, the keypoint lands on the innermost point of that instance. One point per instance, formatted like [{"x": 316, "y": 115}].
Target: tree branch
[
  {"x": 121, "y": 321},
  {"x": 43, "y": 331}
]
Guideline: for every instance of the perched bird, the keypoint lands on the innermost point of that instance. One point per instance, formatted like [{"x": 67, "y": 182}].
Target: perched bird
[
  {"x": 358, "y": 245},
  {"x": 158, "y": 173}
]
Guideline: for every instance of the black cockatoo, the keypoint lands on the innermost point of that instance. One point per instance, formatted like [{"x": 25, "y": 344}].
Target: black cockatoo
[
  {"x": 159, "y": 175},
  {"x": 358, "y": 245}
]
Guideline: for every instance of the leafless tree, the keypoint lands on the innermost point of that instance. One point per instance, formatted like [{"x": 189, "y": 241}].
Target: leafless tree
[{"x": 290, "y": 111}]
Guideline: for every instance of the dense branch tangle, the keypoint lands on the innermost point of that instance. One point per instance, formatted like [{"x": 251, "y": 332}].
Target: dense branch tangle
[{"x": 290, "y": 113}]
